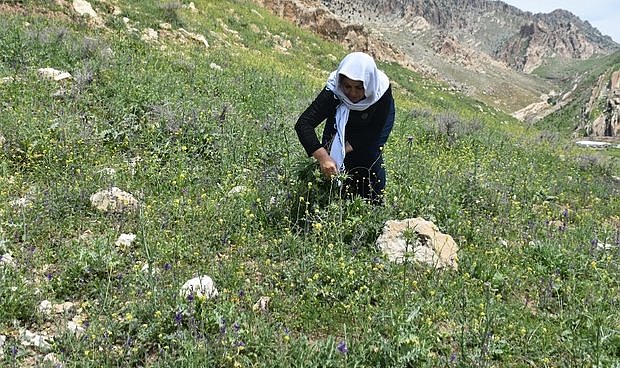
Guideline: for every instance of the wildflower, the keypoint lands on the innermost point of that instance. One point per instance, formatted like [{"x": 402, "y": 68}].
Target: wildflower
[
  {"x": 342, "y": 347},
  {"x": 178, "y": 318},
  {"x": 167, "y": 266}
]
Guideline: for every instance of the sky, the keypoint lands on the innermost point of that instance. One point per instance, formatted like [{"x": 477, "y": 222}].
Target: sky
[{"x": 604, "y": 15}]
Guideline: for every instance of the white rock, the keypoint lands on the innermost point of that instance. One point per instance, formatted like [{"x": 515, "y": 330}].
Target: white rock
[
  {"x": 52, "y": 360},
  {"x": 83, "y": 7},
  {"x": 75, "y": 328},
  {"x": 125, "y": 240},
  {"x": 191, "y": 7},
  {"x": 194, "y": 36},
  {"x": 114, "y": 200},
  {"x": 54, "y": 74},
  {"x": 28, "y": 338},
  {"x": 6, "y": 260},
  {"x": 236, "y": 190},
  {"x": 430, "y": 247},
  {"x": 593, "y": 144},
  {"x": 45, "y": 307},
  {"x": 149, "y": 35},
  {"x": 199, "y": 286},
  {"x": 262, "y": 304},
  {"x": 63, "y": 308},
  {"x": 2, "y": 342}
]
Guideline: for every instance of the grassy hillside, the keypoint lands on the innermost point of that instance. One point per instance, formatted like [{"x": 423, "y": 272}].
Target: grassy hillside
[{"x": 203, "y": 138}]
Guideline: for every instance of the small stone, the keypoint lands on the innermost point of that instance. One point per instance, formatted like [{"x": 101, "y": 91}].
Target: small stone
[
  {"x": 2, "y": 342},
  {"x": 262, "y": 305},
  {"x": 236, "y": 190},
  {"x": 45, "y": 307},
  {"x": 6, "y": 260},
  {"x": 52, "y": 360},
  {"x": 202, "y": 286},
  {"x": 125, "y": 240}
]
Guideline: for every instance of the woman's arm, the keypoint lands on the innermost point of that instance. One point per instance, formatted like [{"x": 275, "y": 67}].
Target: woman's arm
[{"x": 322, "y": 107}]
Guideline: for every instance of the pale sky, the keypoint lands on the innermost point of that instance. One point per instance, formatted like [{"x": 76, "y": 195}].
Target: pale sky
[{"x": 604, "y": 15}]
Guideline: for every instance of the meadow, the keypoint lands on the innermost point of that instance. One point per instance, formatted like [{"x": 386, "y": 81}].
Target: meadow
[{"x": 203, "y": 138}]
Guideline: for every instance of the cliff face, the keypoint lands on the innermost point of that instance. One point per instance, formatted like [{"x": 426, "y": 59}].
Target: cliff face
[
  {"x": 602, "y": 112},
  {"x": 520, "y": 39},
  {"x": 557, "y": 34}
]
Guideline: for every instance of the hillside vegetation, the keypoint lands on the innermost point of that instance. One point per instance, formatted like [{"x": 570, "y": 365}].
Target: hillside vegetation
[{"x": 202, "y": 137}]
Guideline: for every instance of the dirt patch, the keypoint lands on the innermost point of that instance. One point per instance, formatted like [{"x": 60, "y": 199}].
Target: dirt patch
[{"x": 19, "y": 9}]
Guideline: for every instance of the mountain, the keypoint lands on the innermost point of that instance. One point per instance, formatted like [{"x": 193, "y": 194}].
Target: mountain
[{"x": 511, "y": 59}]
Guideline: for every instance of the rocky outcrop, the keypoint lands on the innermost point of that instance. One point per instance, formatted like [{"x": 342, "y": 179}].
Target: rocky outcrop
[
  {"x": 311, "y": 14},
  {"x": 520, "y": 39},
  {"x": 558, "y": 34},
  {"x": 606, "y": 100}
]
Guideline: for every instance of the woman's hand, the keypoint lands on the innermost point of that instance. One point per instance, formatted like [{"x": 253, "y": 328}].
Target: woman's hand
[{"x": 326, "y": 163}]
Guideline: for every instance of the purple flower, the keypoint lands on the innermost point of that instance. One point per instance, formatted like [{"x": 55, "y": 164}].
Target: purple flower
[
  {"x": 167, "y": 266},
  {"x": 178, "y": 318},
  {"x": 236, "y": 327},
  {"x": 453, "y": 358},
  {"x": 342, "y": 347}
]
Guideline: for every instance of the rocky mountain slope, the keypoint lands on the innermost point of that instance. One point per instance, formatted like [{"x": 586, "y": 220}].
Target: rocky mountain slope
[{"x": 487, "y": 49}]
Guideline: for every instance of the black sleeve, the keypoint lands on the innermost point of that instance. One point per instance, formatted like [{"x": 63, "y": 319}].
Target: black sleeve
[
  {"x": 323, "y": 106},
  {"x": 372, "y": 131}
]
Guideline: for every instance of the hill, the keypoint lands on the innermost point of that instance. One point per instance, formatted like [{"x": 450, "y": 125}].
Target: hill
[
  {"x": 492, "y": 51},
  {"x": 185, "y": 112}
]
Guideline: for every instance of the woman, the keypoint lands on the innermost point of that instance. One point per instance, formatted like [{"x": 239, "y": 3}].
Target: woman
[{"x": 359, "y": 108}]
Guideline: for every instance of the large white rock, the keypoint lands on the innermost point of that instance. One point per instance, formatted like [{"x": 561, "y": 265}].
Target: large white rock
[
  {"x": 83, "y": 7},
  {"x": 41, "y": 341},
  {"x": 202, "y": 286},
  {"x": 54, "y": 74},
  {"x": 114, "y": 200},
  {"x": 431, "y": 246}
]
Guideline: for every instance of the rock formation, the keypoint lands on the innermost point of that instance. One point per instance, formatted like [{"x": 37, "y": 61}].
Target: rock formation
[
  {"x": 606, "y": 99},
  {"x": 427, "y": 244}
]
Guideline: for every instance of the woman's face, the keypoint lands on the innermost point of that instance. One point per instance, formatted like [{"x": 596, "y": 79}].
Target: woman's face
[{"x": 353, "y": 89}]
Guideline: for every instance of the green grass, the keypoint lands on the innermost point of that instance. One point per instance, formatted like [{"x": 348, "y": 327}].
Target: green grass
[{"x": 533, "y": 286}]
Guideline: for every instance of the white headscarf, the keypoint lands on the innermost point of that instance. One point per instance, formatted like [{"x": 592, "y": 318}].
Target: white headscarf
[{"x": 356, "y": 66}]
